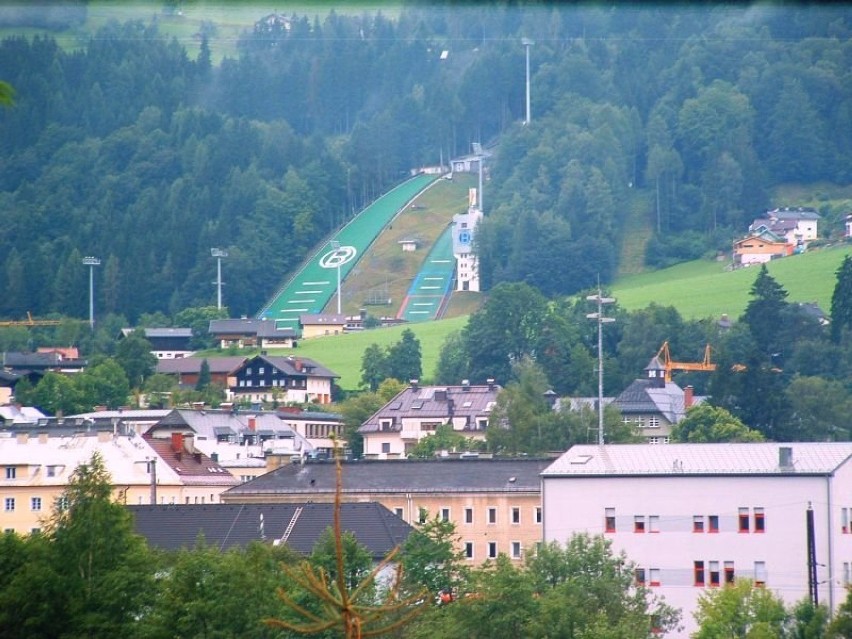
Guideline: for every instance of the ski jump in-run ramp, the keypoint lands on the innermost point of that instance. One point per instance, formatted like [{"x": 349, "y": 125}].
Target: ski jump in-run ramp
[
  {"x": 430, "y": 290},
  {"x": 315, "y": 284}
]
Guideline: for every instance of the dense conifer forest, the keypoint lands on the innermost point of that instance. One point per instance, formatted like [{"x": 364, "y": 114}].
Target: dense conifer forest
[{"x": 138, "y": 149}]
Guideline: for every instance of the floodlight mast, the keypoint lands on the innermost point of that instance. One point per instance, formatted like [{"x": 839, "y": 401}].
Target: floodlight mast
[
  {"x": 91, "y": 262},
  {"x": 218, "y": 254},
  {"x": 527, "y": 44},
  {"x": 598, "y": 317}
]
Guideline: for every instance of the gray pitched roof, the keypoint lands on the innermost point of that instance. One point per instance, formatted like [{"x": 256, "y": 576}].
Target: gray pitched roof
[
  {"x": 439, "y": 402},
  {"x": 187, "y": 365},
  {"x": 248, "y": 326},
  {"x": 402, "y": 476},
  {"x": 643, "y": 397},
  {"x": 700, "y": 459},
  {"x": 291, "y": 365},
  {"x": 172, "y": 527}
]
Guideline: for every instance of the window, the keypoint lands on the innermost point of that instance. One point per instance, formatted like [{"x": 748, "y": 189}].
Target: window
[
  {"x": 760, "y": 573},
  {"x": 492, "y": 515},
  {"x": 468, "y": 550},
  {"x": 10, "y": 504},
  {"x": 654, "y": 576},
  {"x": 713, "y": 523},
  {"x": 468, "y": 515},
  {"x": 11, "y": 471},
  {"x": 398, "y": 512},
  {"x": 35, "y": 503},
  {"x": 609, "y": 520},
  {"x": 729, "y": 572},
  {"x": 385, "y": 447},
  {"x": 653, "y": 422},
  {"x": 759, "y": 520},
  {"x": 639, "y": 576},
  {"x": 516, "y": 550},
  {"x": 516, "y": 515},
  {"x": 445, "y": 514},
  {"x": 654, "y": 523},
  {"x": 260, "y": 370},
  {"x": 639, "y": 524},
  {"x": 743, "y": 520},
  {"x": 698, "y": 572},
  {"x": 423, "y": 516},
  {"x": 538, "y": 514},
  {"x": 698, "y": 523},
  {"x": 714, "y": 573},
  {"x": 844, "y": 520},
  {"x": 492, "y": 549}
]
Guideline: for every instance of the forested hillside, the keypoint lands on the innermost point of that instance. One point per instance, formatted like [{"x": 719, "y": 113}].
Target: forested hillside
[{"x": 137, "y": 149}]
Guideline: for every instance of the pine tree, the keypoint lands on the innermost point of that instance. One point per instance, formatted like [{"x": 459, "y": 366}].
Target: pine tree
[
  {"x": 763, "y": 313},
  {"x": 841, "y": 300}
]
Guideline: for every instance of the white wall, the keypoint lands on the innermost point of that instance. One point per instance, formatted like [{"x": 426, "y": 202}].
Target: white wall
[{"x": 574, "y": 505}]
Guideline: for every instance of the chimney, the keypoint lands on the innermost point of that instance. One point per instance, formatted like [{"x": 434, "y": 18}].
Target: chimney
[
  {"x": 42, "y": 438},
  {"x": 465, "y": 385},
  {"x": 22, "y": 438},
  {"x": 152, "y": 465},
  {"x": 785, "y": 458},
  {"x": 177, "y": 442},
  {"x": 297, "y": 364},
  {"x": 490, "y": 382},
  {"x": 189, "y": 442},
  {"x": 415, "y": 384},
  {"x": 104, "y": 436},
  {"x": 252, "y": 424},
  {"x": 451, "y": 408},
  {"x": 688, "y": 397}
]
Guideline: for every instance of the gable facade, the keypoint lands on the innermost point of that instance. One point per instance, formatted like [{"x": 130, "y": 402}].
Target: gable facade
[{"x": 284, "y": 379}]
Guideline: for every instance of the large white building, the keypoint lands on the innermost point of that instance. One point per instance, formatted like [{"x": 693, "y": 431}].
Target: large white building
[
  {"x": 695, "y": 516},
  {"x": 464, "y": 228}
]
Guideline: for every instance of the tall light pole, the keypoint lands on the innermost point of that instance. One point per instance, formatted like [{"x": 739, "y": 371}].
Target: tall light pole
[
  {"x": 335, "y": 245},
  {"x": 598, "y": 317},
  {"x": 527, "y": 44},
  {"x": 218, "y": 254},
  {"x": 91, "y": 262}
]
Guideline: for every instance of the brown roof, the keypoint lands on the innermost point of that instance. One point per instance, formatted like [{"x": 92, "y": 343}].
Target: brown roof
[{"x": 194, "y": 468}]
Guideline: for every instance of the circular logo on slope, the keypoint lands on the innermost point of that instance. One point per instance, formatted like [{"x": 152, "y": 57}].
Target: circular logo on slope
[{"x": 338, "y": 257}]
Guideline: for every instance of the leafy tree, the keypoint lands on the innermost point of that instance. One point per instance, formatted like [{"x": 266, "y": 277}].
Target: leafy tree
[
  {"x": 374, "y": 367},
  {"x": 840, "y": 626},
  {"x": 516, "y": 421},
  {"x": 740, "y": 611},
  {"x": 157, "y": 388},
  {"x": 503, "y": 331},
  {"x": 198, "y": 319},
  {"x": 431, "y": 559},
  {"x": 404, "y": 358},
  {"x": 444, "y": 438},
  {"x": 819, "y": 409},
  {"x": 705, "y": 423},
  {"x": 105, "y": 384},
  {"x": 453, "y": 365},
  {"x": 134, "y": 355},
  {"x": 809, "y": 621},
  {"x": 56, "y": 394},
  {"x": 841, "y": 300}
]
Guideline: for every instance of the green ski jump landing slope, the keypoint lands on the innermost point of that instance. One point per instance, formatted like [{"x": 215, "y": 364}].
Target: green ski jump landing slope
[
  {"x": 313, "y": 286},
  {"x": 428, "y": 294}
]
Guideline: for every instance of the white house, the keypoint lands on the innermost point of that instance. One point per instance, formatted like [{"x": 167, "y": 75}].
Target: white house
[
  {"x": 797, "y": 226},
  {"x": 695, "y": 516}
]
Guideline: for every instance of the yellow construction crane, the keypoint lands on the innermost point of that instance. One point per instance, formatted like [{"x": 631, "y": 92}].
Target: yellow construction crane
[
  {"x": 30, "y": 322},
  {"x": 666, "y": 359}
]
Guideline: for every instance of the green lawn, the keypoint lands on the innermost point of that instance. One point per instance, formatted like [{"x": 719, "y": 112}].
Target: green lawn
[
  {"x": 708, "y": 289},
  {"x": 342, "y": 353}
]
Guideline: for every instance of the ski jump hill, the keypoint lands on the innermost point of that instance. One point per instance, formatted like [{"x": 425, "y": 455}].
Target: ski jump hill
[{"x": 314, "y": 285}]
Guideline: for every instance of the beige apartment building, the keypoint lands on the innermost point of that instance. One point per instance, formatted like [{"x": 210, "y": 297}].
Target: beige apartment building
[{"x": 495, "y": 504}]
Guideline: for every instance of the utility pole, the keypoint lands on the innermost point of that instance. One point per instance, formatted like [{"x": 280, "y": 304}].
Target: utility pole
[
  {"x": 91, "y": 262},
  {"x": 598, "y": 317}
]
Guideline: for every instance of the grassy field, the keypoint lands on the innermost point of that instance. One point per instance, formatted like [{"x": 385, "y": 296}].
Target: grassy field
[
  {"x": 708, "y": 289},
  {"x": 342, "y": 353}
]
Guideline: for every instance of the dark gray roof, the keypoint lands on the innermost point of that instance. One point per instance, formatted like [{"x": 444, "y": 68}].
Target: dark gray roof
[
  {"x": 517, "y": 474},
  {"x": 249, "y": 326},
  {"x": 193, "y": 364},
  {"x": 172, "y": 527},
  {"x": 322, "y": 318},
  {"x": 291, "y": 365}
]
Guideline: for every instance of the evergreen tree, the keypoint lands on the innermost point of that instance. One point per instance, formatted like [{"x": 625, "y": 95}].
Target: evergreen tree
[
  {"x": 203, "y": 376},
  {"x": 404, "y": 358},
  {"x": 374, "y": 366},
  {"x": 763, "y": 312},
  {"x": 841, "y": 300}
]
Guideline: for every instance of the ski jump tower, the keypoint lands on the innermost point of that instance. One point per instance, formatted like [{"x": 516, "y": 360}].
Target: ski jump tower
[{"x": 464, "y": 228}]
